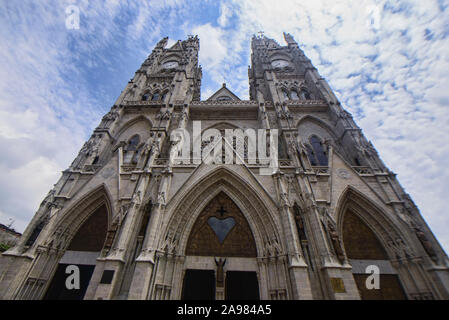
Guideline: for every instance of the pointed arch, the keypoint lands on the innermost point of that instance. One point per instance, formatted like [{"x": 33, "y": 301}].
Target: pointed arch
[
  {"x": 383, "y": 227},
  {"x": 130, "y": 123},
  {"x": 73, "y": 218},
  {"x": 318, "y": 122},
  {"x": 81, "y": 230},
  {"x": 274, "y": 55},
  {"x": 172, "y": 57},
  {"x": 367, "y": 234},
  {"x": 187, "y": 205}
]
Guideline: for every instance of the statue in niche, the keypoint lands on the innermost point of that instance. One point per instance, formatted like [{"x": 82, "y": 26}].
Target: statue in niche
[
  {"x": 124, "y": 208},
  {"x": 150, "y": 148},
  {"x": 426, "y": 243},
  {"x": 115, "y": 225},
  {"x": 335, "y": 240},
  {"x": 169, "y": 244},
  {"x": 269, "y": 249},
  {"x": 292, "y": 147},
  {"x": 300, "y": 225},
  {"x": 285, "y": 199},
  {"x": 109, "y": 118},
  {"x": 136, "y": 200},
  {"x": 82, "y": 155},
  {"x": 174, "y": 149},
  {"x": 272, "y": 247},
  {"x": 58, "y": 240},
  {"x": 220, "y": 272},
  {"x": 110, "y": 235},
  {"x": 94, "y": 151},
  {"x": 130, "y": 95},
  {"x": 161, "y": 198},
  {"x": 50, "y": 198}
]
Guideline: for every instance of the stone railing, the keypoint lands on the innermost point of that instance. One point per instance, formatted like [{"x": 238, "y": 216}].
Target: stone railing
[
  {"x": 232, "y": 102},
  {"x": 285, "y": 163},
  {"x": 292, "y": 103},
  {"x": 143, "y": 103},
  {"x": 163, "y": 162},
  {"x": 321, "y": 170},
  {"x": 128, "y": 168},
  {"x": 363, "y": 170}
]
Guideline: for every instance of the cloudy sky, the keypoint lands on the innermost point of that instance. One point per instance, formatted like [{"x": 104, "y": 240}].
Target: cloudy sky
[{"x": 387, "y": 61}]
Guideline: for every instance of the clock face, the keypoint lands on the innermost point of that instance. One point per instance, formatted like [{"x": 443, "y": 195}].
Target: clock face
[
  {"x": 279, "y": 63},
  {"x": 170, "y": 64}
]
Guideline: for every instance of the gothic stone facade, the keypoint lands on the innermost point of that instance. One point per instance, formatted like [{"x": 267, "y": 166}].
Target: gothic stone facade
[{"x": 141, "y": 226}]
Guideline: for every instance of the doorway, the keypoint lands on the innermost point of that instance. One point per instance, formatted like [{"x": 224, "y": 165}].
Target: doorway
[
  {"x": 199, "y": 285},
  {"x": 242, "y": 285},
  {"x": 58, "y": 290},
  {"x": 83, "y": 250}
]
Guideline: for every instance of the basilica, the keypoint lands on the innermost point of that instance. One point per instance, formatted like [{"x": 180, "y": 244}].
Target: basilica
[{"x": 153, "y": 208}]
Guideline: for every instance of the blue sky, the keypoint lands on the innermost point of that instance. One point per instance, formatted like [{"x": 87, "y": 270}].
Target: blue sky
[{"x": 387, "y": 61}]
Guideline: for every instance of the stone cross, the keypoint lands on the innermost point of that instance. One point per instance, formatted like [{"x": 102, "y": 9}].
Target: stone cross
[{"x": 221, "y": 211}]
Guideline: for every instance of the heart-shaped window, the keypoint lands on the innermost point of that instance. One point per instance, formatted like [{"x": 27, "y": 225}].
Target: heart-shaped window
[{"x": 221, "y": 227}]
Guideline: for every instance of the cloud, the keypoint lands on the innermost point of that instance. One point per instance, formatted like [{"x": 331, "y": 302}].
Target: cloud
[
  {"x": 226, "y": 13},
  {"x": 213, "y": 51}
]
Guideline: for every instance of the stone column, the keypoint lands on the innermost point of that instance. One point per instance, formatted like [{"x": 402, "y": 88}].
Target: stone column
[
  {"x": 297, "y": 268},
  {"x": 145, "y": 262}
]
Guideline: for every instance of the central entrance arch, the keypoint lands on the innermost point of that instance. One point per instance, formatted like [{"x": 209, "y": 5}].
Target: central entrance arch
[
  {"x": 221, "y": 232},
  {"x": 246, "y": 227}
]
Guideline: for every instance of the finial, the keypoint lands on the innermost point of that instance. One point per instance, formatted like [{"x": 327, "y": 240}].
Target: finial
[
  {"x": 289, "y": 38},
  {"x": 162, "y": 43},
  {"x": 224, "y": 84}
]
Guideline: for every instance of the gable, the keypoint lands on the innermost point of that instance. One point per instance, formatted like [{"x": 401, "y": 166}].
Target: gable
[
  {"x": 177, "y": 46},
  {"x": 223, "y": 94}
]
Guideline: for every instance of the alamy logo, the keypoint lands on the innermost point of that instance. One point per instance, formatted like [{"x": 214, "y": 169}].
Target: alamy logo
[
  {"x": 211, "y": 147},
  {"x": 73, "y": 280},
  {"x": 373, "y": 21},
  {"x": 373, "y": 280},
  {"x": 72, "y": 20}
]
